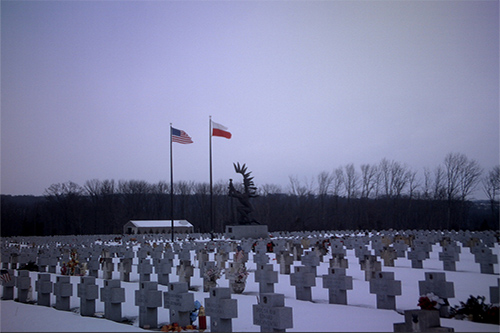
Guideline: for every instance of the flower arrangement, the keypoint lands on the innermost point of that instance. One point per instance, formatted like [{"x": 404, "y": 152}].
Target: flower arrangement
[
  {"x": 241, "y": 274},
  {"x": 430, "y": 302},
  {"x": 213, "y": 274},
  {"x": 475, "y": 309}
]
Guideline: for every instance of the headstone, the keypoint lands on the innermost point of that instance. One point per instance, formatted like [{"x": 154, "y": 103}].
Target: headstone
[
  {"x": 271, "y": 314},
  {"x": 285, "y": 260},
  {"x": 486, "y": 260},
  {"x": 88, "y": 292},
  {"x": 221, "y": 309},
  {"x": 386, "y": 289},
  {"x": 494, "y": 293},
  {"x": 112, "y": 295},
  {"x": 421, "y": 321},
  {"x": 148, "y": 299},
  {"x": 266, "y": 277},
  {"x": 144, "y": 269},
  {"x": 449, "y": 256},
  {"x": 417, "y": 257},
  {"x": 43, "y": 286},
  {"x": 42, "y": 261},
  {"x": 23, "y": 283},
  {"x": 371, "y": 266},
  {"x": 400, "y": 246},
  {"x": 180, "y": 302},
  {"x": 311, "y": 259},
  {"x": 303, "y": 279},
  {"x": 388, "y": 254},
  {"x": 338, "y": 259},
  {"x": 337, "y": 283},
  {"x": 8, "y": 283},
  {"x": 435, "y": 282},
  {"x": 63, "y": 291},
  {"x": 207, "y": 282},
  {"x": 163, "y": 268},
  {"x": 185, "y": 271},
  {"x": 107, "y": 267}
]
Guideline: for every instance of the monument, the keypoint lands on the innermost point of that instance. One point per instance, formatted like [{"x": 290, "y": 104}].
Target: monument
[{"x": 246, "y": 226}]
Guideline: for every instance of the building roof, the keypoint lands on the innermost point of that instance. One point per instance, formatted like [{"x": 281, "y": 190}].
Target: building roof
[{"x": 160, "y": 223}]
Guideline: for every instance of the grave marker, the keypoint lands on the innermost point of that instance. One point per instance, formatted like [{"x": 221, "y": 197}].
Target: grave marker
[
  {"x": 23, "y": 283},
  {"x": 43, "y": 286},
  {"x": 148, "y": 299},
  {"x": 221, "y": 309},
  {"x": 63, "y": 291},
  {"x": 266, "y": 277},
  {"x": 386, "y": 289},
  {"x": 112, "y": 295},
  {"x": 303, "y": 279},
  {"x": 271, "y": 314},
  {"x": 337, "y": 283},
  {"x": 180, "y": 302},
  {"x": 88, "y": 292}
]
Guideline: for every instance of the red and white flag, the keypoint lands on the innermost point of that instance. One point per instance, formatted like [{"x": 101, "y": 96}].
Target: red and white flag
[{"x": 220, "y": 130}]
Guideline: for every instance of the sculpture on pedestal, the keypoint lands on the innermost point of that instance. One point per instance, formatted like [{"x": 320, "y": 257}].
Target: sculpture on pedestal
[{"x": 250, "y": 191}]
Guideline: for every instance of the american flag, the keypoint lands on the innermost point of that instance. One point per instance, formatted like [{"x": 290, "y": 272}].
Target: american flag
[
  {"x": 5, "y": 276},
  {"x": 180, "y": 136}
]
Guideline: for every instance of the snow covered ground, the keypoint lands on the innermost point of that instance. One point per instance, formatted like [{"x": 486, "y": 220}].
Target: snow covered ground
[{"x": 360, "y": 315}]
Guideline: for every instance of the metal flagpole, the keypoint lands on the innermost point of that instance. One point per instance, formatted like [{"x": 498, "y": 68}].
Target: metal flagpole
[
  {"x": 171, "y": 186},
  {"x": 211, "y": 183}
]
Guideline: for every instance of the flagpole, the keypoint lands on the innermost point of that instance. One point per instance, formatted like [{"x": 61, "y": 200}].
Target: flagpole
[
  {"x": 171, "y": 186},
  {"x": 211, "y": 182}
]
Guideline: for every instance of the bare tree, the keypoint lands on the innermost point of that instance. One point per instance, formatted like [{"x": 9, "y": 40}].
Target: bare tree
[
  {"x": 491, "y": 183},
  {"x": 439, "y": 187},
  {"x": 338, "y": 181},
  {"x": 368, "y": 179},
  {"x": 413, "y": 183},
  {"x": 351, "y": 183},
  {"x": 462, "y": 176}
]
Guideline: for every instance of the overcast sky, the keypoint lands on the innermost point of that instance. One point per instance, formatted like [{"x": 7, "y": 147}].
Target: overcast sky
[{"x": 89, "y": 88}]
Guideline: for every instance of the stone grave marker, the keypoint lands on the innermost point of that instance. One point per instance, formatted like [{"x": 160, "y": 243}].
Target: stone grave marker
[
  {"x": 337, "y": 283},
  {"x": 148, "y": 299},
  {"x": 449, "y": 256},
  {"x": 435, "y": 282},
  {"x": 43, "y": 287},
  {"x": 401, "y": 247},
  {"x": 370, "y": 266},
  {"x": 63, "y": 290},
  {"x": 185, "y": 271},
  {"x": 271, "y": 314},
  {"x": 180, "y": 303},
  {"x": 88, "y": 292},
  {"x": 221, "y": 309},
  {"x": 386, "y": 289},
  {"x": 495, "y": 293},
  {"x": 285, "y": 260},
  {"x": 388, "y": 254},
  {"x": 163, "y": 268},
  {"x": 417, "y": 258},
  {"x": 112, "y": 295},
  {"x": 144, "y": 269},
  {"x": 303, "y": 279},
  {"x": 311, "y": 259},
  {"x": 23, "y": 283},
  {"x": 338, "y": 259},
  {"x": 8, "y": 283},
  {"x": 207, "y": 283},
  {"x": 266, "y": 277},
  {"x": 486, "y": 260}
]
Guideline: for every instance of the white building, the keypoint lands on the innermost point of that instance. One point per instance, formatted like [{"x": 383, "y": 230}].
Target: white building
[{"x": 134, "y": 227}]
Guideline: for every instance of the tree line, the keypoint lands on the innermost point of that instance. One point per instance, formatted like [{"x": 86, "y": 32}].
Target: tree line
[{"x": 385, "y": 195}]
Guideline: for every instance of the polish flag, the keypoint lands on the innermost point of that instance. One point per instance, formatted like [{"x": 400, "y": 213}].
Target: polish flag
[{"x": 220, "y": 130}]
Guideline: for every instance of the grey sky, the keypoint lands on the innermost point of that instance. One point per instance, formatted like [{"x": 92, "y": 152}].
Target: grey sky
[{"x": 89, "y": 87}]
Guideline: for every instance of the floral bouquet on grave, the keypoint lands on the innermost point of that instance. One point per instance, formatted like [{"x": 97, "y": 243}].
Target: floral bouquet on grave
[
  {"x": 430, "y": 302},
  {"x": 241, "y": 274},
  {"x": 213, "y": 274}
]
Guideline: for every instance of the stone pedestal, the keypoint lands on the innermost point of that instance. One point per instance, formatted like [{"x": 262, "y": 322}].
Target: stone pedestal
[{"x": 254, "y": 231}]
